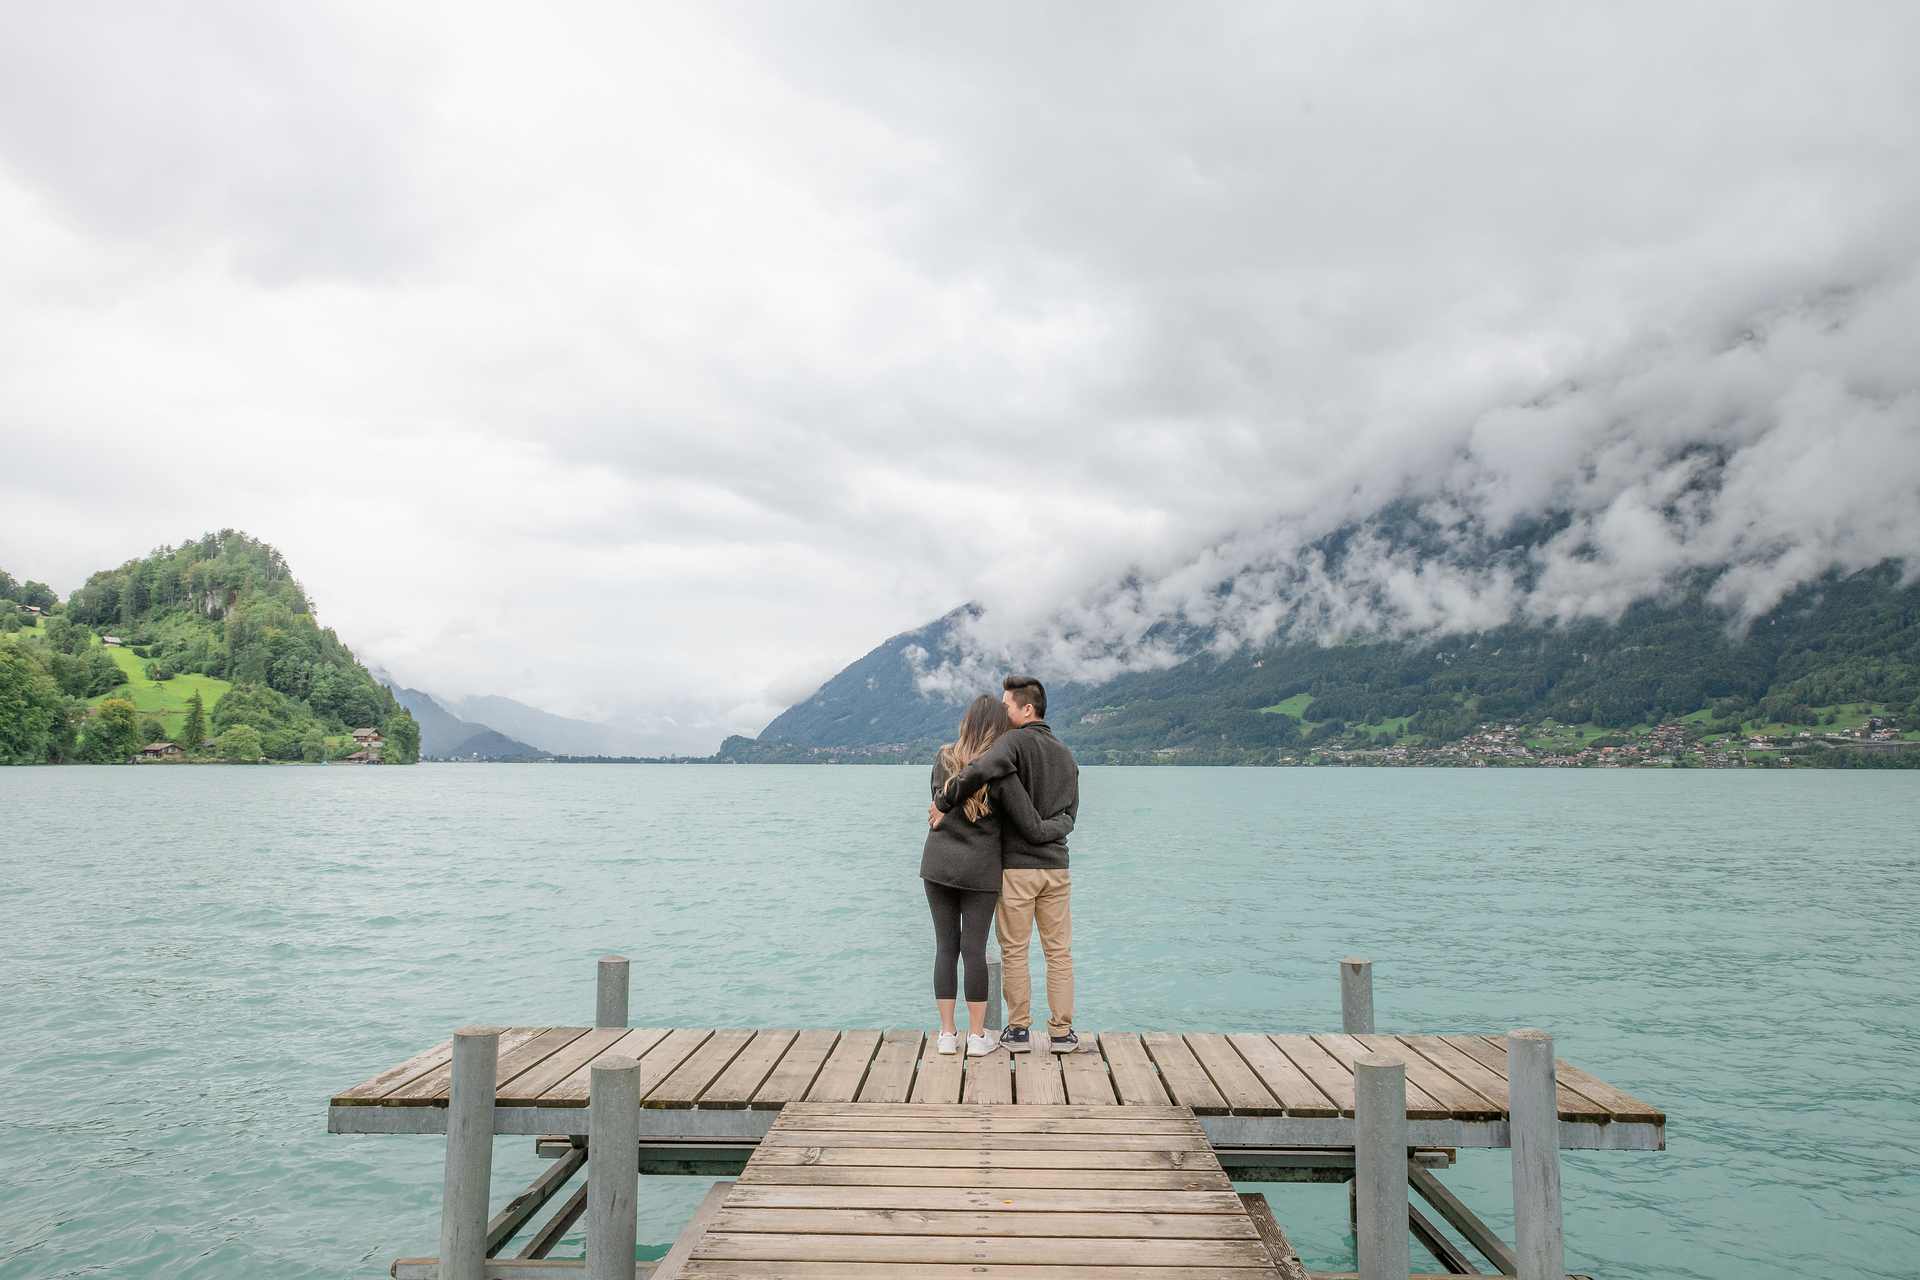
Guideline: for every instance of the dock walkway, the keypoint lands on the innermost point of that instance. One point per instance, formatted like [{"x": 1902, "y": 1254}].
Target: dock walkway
[{"x": 1042, "y": 1191}]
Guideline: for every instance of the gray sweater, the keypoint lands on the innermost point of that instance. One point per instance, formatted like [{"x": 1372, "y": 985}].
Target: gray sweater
[
  {"x": 966, "y": 854},
  {"x": 1046, "y": 769}
]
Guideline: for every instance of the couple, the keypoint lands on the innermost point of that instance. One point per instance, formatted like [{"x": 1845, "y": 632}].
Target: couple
[{"x": 989, "y": 853}]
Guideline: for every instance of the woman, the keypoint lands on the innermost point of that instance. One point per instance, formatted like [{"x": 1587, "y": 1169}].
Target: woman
[{"x": 961, "y": 868}]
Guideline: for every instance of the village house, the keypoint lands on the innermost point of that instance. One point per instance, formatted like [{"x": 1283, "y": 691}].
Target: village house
[
  {"x": 114, "y": 640},
  {"x": 161, "y": 751},
  {"x": 369, "y": 741},
  {"x": 358, "y": 757}
]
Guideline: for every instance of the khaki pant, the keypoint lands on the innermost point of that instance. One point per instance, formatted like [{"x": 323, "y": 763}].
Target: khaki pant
[{"x": 1029, "y": 894}]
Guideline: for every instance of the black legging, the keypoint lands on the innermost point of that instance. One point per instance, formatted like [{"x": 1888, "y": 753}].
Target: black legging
[{"x": 960, "y": 920}]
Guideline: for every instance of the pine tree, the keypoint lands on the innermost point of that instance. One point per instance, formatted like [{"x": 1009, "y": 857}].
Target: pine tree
[{"x": 195, "y": 732}]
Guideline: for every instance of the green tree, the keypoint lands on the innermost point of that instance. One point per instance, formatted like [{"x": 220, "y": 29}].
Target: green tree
[
  {"x": 402, "y": 744},
  {"x": 313, "y": 747},
  {"x": 151, "y": 730},
  {"x": 31, "y": 709},
  {"x": 38, "y": 593},
  {"x": 112, "y": 733},
  {"x": 240, "y": 743},
  {"x": 9, "y": 586},
  {"x": 195, "y": 731}
]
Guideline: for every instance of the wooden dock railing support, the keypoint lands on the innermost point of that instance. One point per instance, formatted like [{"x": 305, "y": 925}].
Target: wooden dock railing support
[
  {"x": 610, "y": 1006},
  {"x": 1534, "y": 1117},
  {"x": 469, "y": 1167},
  {"x": 1380, "y": 1167},
  {"x": 996, "y": 1003},
  {"x": 613, "y": 1168},
  {"x": 1356, "y": 997}
]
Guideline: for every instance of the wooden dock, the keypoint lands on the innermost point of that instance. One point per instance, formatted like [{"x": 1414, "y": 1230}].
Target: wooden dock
[
  {"x": 1248, "y": 1090},
  {"x": 868, "y": 1153}
]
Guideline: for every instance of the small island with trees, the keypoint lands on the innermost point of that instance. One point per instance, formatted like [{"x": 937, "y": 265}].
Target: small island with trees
[{"x": 203, "y": 652}]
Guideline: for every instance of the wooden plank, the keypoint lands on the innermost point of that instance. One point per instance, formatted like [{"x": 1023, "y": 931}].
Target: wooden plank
[
  {"x": 845, "y": 1068},
  {"x": 995, "y": 1119},
  {"x": 660, "y": 1062},
  {"x": 735, "y": 1087},
  {"x": 747, "y": 1270},
  {"x": 785, "y": 1136},
  {"x": 937, "y": 1080},
  {"x": 1280, "y": 1250},
  {"x": 978, "y": 1158},
  {"x": 1621, "y": 1105},
  {"x": 1329, "y": 1075},
  {"x": 1236, "y": 1081},
  {"x": 1040, "y": 1201},
  {"x": 517, "y": 1212},
  {"x": 1492, "y": 1054},
  {"x": 1185, "y": 1078},
  {"x": 691, "y": 1235},
  {"x": 524, "y": 1090},
  {"x": 369, "y": 1091},
  {"x": 1134, "y": 1077},
  {"x": 796, "y": 1070},
  {"x": 423, "y": 1091},
  {"x": 1068, "y": 1112},
  {"x": 923, "y": 1250},
  {"x": 1036, "y": 1080},
  {"x": 1288, "y": 1084},
  {"x": 1484, "y": 1081},
  {"x": 965, "y": 1222},
  {"x": 1420, "y": 1104},
  {"x": 683, "y": 1087},
  {"x": 530, "y": 1055},
  {"x": 989, "y": 1080},
  {"x": 999, "y": 1179},
  {"x": 1461, "y": 1101},
  {"x": 1086, "y": 1079},
  {"x": 541, "y": 1243},
  {"x": 573, "y": 1088},
  {"x": 890, "y": 1077}
]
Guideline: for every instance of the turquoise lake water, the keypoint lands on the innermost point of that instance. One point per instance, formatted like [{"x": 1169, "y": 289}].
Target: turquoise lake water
[{"x": 194, "y": 959}]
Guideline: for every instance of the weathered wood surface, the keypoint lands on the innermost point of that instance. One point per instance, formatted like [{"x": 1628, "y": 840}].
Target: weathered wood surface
[
  {"x": 1452, "y": 1077},
  {"x": 1050, "y": 1192}
]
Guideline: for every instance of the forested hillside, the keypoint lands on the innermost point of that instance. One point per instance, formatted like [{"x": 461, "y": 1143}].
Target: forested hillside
[
  {"x": 1837, "y": 652},
  {"x": 212, "y": 645}
]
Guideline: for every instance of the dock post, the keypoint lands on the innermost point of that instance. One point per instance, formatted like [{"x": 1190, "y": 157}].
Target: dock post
[
  {"x": 1539, "y": 1248},
  {"x": 613, "y": 1168},
  {"x": 469, "y": 1168},
  {"x": 1380, "y": 1167},
  {"x": 996, "y": 1005},
  {"x": 1356, "y": 997},
  {"x": 610, "y": 1008}
]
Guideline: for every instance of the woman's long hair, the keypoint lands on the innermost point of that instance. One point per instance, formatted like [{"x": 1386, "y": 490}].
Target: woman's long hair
[{"x": 985, "y": 720}]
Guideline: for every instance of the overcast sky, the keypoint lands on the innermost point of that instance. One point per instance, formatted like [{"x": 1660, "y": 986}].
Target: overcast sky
[{"x": 655, "y": 362}]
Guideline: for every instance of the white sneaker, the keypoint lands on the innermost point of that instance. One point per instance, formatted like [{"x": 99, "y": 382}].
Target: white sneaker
[
  {"x": 949, "y": 1042},
  {"x": 981, "y": 1046}
]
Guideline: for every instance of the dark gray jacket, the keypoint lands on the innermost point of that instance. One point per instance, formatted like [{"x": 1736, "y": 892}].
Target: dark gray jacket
[
  {"x": 1046, "y": 769},
  {"x": 966, "y": 854}
]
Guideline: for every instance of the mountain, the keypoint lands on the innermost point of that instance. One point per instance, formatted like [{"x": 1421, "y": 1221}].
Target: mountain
[
  {"x": 554, "y": 734},
  {"x": 445, "y": 736},
  {"x": 1837, "y": 651},
  {"x": 218, "y": 622}
]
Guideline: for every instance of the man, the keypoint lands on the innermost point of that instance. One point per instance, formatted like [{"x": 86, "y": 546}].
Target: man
[{"x": 1034, "y": 885}]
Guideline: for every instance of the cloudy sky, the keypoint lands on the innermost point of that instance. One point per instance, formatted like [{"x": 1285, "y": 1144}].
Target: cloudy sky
[{"x": 653, "y": 362}]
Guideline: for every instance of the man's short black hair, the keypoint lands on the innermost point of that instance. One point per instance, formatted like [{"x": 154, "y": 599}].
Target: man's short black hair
[{"x": 1028, "y": 692}]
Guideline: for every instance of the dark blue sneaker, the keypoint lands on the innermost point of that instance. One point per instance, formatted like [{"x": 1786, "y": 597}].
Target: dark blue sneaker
[
  {"x": 1068, "y": 1043},
  {"x": 1016, "y": 1040}
]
